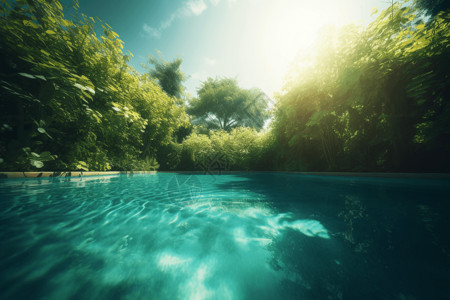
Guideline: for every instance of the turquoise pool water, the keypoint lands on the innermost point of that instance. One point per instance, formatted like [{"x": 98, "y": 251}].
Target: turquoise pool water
[{"x": 237, "y": 236}]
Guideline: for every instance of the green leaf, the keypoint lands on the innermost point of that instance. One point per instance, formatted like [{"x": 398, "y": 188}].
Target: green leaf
[
  {"x": 82, "y": 165},
  {"x": 48, "y": 31},
  {"x": 41, "y": 130},
  {"x": 35, "y": 154},
  {"x": 27, "y": 75},
  {"x": 85, "y": 88},
  {"x": 40, "y": 77},
  {"x": 38, "y": 164},
  {"x": 91, "y": 90},
  {"x": 46, "y": 156},
  {"x": 30, "y": 24},
  {"x": 58, "y": 5}
]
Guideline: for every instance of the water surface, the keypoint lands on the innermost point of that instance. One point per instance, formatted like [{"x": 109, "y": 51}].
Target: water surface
[{"x": 236, "y": 236}]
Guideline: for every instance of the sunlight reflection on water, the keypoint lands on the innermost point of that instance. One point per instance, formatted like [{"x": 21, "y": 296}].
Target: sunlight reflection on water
[{"x": 163, "y": 237}]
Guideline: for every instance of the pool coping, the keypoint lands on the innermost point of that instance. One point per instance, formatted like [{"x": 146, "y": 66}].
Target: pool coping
[
  {"x": 341, "y": 174},
  {"x": 46, "y": 174}
]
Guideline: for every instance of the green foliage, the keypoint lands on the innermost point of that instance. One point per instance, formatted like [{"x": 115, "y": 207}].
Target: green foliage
[
  {"x": 222, "y": 104},
  {"x": 168, "y": 75},
  {"x": 239, "y": 149},
  {"x": 66, "y": 90},
  {"x": 374, "y": 99},
  {"x": 369, "y": 99}
]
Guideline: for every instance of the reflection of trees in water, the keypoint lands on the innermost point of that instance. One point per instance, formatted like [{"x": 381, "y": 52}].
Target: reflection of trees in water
[
  {"x": 355, "y": 217},
  {"x": 307, "y": 266},
  {"x": 429, "y": 219}
]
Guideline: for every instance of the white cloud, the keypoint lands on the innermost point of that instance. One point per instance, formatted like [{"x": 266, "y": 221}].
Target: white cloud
[
  {"x": 194, "y": 7},
  {"x": 150, "y": 31},
  {"x": 189, "y": 9}
]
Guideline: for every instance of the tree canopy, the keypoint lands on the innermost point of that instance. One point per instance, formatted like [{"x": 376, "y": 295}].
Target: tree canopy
[
  {"x": 222, "y": 104},
  {"x": 372, "y": 98},
  {"x": 168, "y": 75}
]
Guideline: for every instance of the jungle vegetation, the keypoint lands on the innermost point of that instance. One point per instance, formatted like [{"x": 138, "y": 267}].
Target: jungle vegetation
[{"x": 372, "y": 98}]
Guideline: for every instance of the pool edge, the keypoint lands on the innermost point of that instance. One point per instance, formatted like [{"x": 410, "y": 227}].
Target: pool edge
[{"x": 6, "y": 175}]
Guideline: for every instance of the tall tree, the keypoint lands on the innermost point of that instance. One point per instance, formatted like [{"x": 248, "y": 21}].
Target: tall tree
[
  {"x": 222, "y": 104},
  {"x": 168, "y": 74}
]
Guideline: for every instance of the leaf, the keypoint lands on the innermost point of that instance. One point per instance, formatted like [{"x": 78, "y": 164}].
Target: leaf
[
  {"x": 46, "y": 156},
  {"x": 420, "y": 26},
  {"x": 38, "y": 164},
  {"x": 40, "y": 77},
  {"x": 35, "y": 154},
  {"x": 45, "y": 52},
  {"x": 67, "y": 23},
  {"x": 91, "y": 90},
  {"x": 49, "y": 31},
  {"x": 27, "y": 75},
  {"x": 82, "y": 165},
  {"x": 116, "y": 108},
  {"x": 30, "y": 24},
  {"x": 41, "y": 130},
  {"x": 81, "y": 87},
  {"x": 58, "y": 5}
]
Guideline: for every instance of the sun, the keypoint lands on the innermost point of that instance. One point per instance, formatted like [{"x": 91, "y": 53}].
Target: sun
[{"x": 291, "y": 27}]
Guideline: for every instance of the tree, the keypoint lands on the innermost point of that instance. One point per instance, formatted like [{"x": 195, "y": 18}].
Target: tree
[
  {"x": 222, "y": 104},
  {"x": 67, "y": 91},
  {"x": 373, "y": 99},
  {"x": 168, "y": 75}
]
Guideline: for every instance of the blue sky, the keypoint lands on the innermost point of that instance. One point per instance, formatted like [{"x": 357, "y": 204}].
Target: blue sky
[{"x": 252, "y": 40}]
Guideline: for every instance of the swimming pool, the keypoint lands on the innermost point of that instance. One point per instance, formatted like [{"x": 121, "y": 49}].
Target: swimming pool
[{"x": 234, "y": 236}]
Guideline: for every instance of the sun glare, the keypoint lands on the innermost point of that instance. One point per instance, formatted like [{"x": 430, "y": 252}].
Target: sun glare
[{"x": 292, "y": 28}]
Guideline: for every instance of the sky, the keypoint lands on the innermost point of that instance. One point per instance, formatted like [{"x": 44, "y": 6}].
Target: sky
[{"x": 253, "y": 41}]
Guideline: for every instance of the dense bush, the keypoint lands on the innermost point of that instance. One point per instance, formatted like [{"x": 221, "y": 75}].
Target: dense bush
[
  {"x": 373, "y": 99},
  {"x": 68, "y": 91},
  {"x": 240, "y": 149}
]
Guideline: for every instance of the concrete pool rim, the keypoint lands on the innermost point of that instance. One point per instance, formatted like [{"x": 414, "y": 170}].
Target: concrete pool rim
[{"x": 50, "y": 174}]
